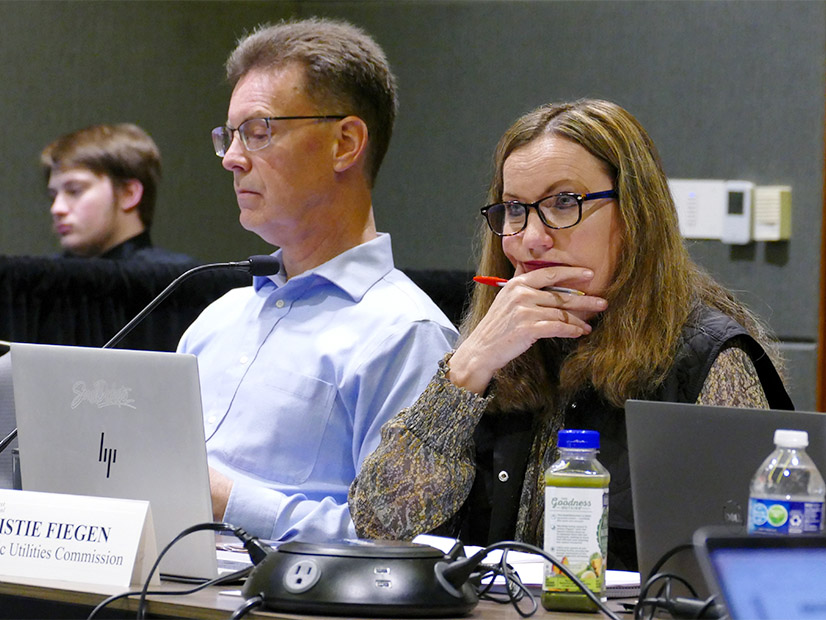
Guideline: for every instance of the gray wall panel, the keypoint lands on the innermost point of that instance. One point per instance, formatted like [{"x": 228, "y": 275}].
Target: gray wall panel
[
  {"x": 801, "y": 370},
  {"x": 727, "y": 90}
]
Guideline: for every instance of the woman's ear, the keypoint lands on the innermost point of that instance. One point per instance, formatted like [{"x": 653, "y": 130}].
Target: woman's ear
[{"x": 350, "y": 146}]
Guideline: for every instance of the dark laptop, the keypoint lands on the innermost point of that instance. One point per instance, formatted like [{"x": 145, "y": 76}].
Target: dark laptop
[
  {"x": 691, "y": 467},
  {"x": 763, "y": 577}
]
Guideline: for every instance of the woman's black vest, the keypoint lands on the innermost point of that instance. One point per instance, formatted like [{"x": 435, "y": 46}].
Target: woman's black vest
[{"x": 503, "y": 442}]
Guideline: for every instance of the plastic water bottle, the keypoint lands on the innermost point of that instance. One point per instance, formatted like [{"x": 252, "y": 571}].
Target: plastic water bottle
[
  {"x": 787, "y": 492},
  {"x": 576, "y": 522}
]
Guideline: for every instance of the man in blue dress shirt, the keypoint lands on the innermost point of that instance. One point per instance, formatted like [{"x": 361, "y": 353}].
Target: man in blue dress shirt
[{"x": 300, "y": 370}]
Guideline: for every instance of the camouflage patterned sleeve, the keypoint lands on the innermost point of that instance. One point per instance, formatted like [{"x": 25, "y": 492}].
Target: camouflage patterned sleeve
[
  {"x": 422, "y": 472},
  {"x": 732, "y": 381}
]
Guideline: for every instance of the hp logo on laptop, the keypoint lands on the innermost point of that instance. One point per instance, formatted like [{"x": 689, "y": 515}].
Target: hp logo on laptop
[{"x": 107, "y": 455}]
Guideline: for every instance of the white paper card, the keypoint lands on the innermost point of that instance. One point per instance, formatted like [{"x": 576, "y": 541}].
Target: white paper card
[{"x": 76, "y": 538}]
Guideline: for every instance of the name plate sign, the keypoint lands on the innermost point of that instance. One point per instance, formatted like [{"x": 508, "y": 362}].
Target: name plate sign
[{"x": 76, "y": 538}]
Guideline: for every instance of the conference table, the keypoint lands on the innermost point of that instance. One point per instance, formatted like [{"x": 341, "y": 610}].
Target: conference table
[{"x": 26, "y": 598}]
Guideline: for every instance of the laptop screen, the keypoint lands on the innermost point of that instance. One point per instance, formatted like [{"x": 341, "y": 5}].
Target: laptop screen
[
  {"x": 119, "y": 423},
  {"x": 768, "y": 577}
]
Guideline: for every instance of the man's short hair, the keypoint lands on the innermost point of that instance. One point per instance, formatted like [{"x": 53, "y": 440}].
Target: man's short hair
[
  {"x": 122, "y": 152},
  {"x": 346, "y": 72}
]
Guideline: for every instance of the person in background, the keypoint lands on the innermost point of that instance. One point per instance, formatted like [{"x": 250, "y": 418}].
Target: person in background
[
  {"x": 579, "y": 200},
  {"x": 300, "y": 370},
  {"x": 103, "y": 183}
]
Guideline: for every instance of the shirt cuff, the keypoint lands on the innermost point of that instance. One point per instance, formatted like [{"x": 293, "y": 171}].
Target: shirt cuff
[
  {"x": 246, "y": 505},
  {"x": 445, "y": 415}
]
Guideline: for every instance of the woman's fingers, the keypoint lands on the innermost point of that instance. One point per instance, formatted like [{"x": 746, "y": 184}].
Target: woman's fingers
[{"x": 520, "y": 315}]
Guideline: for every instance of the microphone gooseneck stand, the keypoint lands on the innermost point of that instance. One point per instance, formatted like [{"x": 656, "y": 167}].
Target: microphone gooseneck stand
[{"x": 259, "y": 265}]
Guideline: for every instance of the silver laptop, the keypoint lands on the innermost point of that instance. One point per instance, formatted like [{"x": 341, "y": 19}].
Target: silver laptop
[
  {"x": 691, "y": 467},
  {"x": 119, "y": 423}
]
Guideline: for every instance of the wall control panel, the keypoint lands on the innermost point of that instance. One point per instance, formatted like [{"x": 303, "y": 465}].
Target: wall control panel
[
  {"x": 733, "y": 211},
  {"x": 737, "y": 218},
  {"x": 700, "y": 204}
]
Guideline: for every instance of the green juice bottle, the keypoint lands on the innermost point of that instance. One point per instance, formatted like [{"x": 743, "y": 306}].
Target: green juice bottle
[{"x": 576, "y": 522}]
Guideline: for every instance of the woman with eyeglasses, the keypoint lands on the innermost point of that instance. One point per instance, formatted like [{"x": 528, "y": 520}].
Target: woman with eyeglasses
[{"x": 596, "y": 301}]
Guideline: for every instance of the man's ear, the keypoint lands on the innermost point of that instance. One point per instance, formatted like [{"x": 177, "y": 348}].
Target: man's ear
[
  {"x": 350, "y": 145},
  {"x": 129, "y": 194}
]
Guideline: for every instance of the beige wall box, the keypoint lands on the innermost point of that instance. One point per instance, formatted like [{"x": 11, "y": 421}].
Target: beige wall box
[{"x": 772, "y": 212}]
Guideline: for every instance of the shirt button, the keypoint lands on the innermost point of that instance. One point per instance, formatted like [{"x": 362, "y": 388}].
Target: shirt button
[
  {"x": 503, "y": 476},
  {"x": 279, "y": 303},
  {"x": 211, "y": 419},
  {"x": 243, "y": 359}
]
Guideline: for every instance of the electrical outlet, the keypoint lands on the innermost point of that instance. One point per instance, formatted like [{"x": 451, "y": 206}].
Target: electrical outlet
[{"x": 301, "y": 576}]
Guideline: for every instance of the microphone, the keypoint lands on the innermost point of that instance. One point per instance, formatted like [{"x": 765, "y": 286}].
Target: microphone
[{"x": 259, "y": 265}]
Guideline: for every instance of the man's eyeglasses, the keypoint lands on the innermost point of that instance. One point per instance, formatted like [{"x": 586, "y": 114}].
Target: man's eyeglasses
[
  {"x": 256, "y": 133},
  {"x": 557, "y": 211}
]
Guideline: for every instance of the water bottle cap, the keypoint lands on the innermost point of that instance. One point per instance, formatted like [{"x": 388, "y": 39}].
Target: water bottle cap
[
  {"x": 791, "y": 439},
  {"x": 582, "y": 440}
]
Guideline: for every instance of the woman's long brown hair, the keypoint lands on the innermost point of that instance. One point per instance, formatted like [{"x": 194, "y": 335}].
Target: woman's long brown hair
[{"x": 654, "y": 289}]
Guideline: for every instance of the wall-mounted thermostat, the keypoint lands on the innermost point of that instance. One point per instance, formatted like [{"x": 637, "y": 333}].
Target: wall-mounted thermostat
[{"x": 737, "y": 219}]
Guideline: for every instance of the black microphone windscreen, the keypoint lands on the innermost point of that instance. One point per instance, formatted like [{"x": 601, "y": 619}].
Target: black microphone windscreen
[{"x": 264, "y": 265}]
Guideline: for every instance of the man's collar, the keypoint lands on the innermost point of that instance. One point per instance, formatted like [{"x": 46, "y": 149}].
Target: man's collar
[{"x": 353, "y": 271}]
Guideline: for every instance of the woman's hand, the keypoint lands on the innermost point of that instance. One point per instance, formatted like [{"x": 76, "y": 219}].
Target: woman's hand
[{"x": 521, "y": 314}]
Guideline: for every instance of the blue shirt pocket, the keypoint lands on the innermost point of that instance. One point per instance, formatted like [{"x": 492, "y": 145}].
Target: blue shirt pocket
[{"x": 275, "y": 426}]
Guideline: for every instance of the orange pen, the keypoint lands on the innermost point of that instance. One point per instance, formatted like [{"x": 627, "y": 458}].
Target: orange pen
[{"x": 494, "y": 281}]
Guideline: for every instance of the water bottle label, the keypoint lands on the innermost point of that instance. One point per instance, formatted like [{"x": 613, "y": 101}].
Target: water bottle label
[{"x": 782, "y": 517}]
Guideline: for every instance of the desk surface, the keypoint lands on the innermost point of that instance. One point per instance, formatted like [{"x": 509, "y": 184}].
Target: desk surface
[{"x": 217, "y": 603}]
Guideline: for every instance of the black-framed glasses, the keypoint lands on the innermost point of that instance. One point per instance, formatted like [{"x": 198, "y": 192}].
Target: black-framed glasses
[
  {"x": 256, "y": 133},
  {"x": 561, "y": 210}
]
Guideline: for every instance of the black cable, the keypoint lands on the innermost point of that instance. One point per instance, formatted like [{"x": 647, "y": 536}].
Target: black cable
[
  {"x": 257, "y": 551},
  {"x": 215, "y": 527},
  {"x": 107, "y": 601},
  {"x": 485, "y": 580},
  {"x": 668, "y": 578},
  {"x": 664, "y": 597},
  {"x": 710, "y": 604},
  {"x": 667, "y": 556},
  {"x": 676, "y": 606},
  {"x": 254, "y": 602},
  {"x": 182, "y": 578},
  {"x": 519, "y": 591},
  {"x": 458, "y": 572},
  {"x": 256, "y": 548},
  {"x": 664, "y": 593},
  {"x": 229, "y": 577},
  {"x": 515, "y": 590}
]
